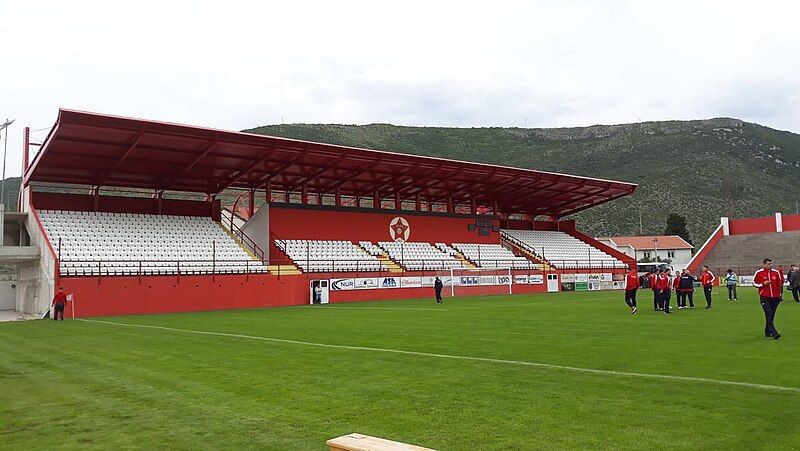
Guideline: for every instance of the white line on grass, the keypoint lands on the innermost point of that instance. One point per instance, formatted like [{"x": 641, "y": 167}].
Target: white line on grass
[{"x": 462, "y": 357}]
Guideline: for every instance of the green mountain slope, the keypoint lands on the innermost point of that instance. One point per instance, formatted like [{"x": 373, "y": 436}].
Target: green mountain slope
[{"x": 702, "y": 169}]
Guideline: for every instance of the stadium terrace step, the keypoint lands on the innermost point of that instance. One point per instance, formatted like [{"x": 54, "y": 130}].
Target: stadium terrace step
[
  {"x": 745, "y": 252},
  {"x": 371, "y": 249},
  {"x": 284, "y": 270},
  {"x": 517, "y": 249}
]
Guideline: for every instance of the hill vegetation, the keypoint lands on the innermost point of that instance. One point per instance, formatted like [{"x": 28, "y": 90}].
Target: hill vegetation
[{"x": 701, "y": 169}]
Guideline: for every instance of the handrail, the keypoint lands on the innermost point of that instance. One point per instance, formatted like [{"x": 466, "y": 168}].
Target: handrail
[
  {"x": 46, "y": 239},
  {"x": 249, "y": 242}
]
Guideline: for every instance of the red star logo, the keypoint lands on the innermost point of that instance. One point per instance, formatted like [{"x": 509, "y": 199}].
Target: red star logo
[{"x": 399, "y": 229}]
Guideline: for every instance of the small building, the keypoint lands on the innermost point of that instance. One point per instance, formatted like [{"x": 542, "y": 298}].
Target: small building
[{"x": 666, "y": 247}]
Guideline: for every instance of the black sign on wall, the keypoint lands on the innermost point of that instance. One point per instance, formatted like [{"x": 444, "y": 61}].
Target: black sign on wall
[{"x": 483, "y": 227}]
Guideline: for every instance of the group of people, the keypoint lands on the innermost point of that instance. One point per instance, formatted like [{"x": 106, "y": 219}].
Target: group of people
[
  {"x": 663, "y": 283},
  {"x": 768, "y": 281}
]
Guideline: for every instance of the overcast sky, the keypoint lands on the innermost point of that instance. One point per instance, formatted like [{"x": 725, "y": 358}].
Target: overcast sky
[{"x": 232, "y": 65}]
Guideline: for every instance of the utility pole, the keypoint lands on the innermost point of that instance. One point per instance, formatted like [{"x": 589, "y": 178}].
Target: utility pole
[{"x": 5, "y": 151}]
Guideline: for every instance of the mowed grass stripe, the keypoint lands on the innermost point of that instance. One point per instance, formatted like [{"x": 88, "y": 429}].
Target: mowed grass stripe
[{"x": 462, "y": 357}]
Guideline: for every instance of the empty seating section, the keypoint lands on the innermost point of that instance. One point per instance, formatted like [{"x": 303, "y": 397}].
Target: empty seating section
[
  {"x": 329, "y": 256},
  {"x": 493, "y": 256},
  {"x": 371, "y": 248},
  {"x": 561, "y": 250},
  {"x": 126, "y": 244},
  {"x": 419, "y": 256}
]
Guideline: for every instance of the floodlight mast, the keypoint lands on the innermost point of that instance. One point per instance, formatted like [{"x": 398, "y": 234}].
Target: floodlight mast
[{"x": 4, "y": 126}]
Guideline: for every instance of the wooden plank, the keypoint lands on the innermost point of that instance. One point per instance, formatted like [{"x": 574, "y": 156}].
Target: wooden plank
[{"x": 361, "y": 442}]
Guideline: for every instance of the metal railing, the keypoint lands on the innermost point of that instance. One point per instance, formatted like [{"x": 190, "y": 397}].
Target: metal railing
[{"x": 145, "y": 267}]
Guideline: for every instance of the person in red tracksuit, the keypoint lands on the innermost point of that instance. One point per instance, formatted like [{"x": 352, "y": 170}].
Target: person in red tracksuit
[
  {"x": 631, "y": 285},
  {"x": 707, "y": 279},
  {"x": 59, "y": 301},
  {"x": 665, "y": 287},
  {"x": 676, "y": 285},
  {"x": 769, "y": 283},
  {"x": 654, "y": 286}
]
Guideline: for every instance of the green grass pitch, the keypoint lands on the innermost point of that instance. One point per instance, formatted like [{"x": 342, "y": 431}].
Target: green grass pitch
[{"x": 82, "y": 383}]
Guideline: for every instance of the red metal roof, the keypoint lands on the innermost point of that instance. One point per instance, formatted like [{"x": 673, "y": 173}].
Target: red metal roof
[
  {"x": 102, "y": 150},
  {"x": 647, "y": 242}
]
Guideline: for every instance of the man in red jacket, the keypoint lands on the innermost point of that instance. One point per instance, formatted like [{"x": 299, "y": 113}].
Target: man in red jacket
[
  {"x": 769, "y": 283},
  {"x": 59, "y": 301},
  {"x": 676, "y": 288},
  {"x": 654, "y": 286},
  {"x": 665, "y": 287},
  {"x": 707, "y": 279},
  {"x": 631, "y": 285}
]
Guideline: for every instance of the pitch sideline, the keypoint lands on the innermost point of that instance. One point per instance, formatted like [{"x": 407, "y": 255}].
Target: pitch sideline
[{"x": 468, "y": 358}]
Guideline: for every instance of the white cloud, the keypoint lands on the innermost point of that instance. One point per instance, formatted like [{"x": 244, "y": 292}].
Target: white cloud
[{"x": 240, "y": 64}]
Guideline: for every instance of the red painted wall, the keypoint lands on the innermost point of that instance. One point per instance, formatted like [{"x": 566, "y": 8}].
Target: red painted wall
[
  {"x": 307, "y": 223},
  {"x": 118, "y": 204},
  {"x": 107, "y": 296},
  {"x": 791, "y": 223},
  {"x": 752, "y": 225}
]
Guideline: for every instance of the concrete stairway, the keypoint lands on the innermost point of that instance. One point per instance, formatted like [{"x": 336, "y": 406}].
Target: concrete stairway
[
  {"x": 745, "y": 252},
  {"x": 465, "y": 262},
  {"x": 521, "y": 251}
]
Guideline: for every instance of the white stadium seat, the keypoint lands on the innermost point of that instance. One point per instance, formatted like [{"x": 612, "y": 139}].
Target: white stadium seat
[
  {"x": 561, "y": 250},
  {"x": 330, "y": 256},
  {"x": 94, "y": 243}
]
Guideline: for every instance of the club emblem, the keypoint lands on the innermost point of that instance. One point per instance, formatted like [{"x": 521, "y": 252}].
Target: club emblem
[{"x": 399, "y": 229}]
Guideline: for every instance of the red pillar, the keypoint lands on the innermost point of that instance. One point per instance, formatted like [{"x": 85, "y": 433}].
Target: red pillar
[
  {"x": 473, "y": 207},
  {"x": 450, "y": 208},
  {"x": 268, "y": 192},
  {"x": 398, "y": 205},
  {"x": 304, "y": 195},
  {"x": 338, "y": 197},
  {"x": 418, "y": 202},
  {"x": 251, "y": 203},
  {"x": 376, "y": 200}
]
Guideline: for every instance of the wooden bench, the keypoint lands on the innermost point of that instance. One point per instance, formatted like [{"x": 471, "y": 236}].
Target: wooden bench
[{"x": 361, "y": 442}]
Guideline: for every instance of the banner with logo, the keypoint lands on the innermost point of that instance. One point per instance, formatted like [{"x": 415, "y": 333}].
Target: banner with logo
[
  {"x": 536, "y": 279},
  {"x": 522, "y": 280},
  {"x": 568, "y": 277},
  {"x": 429, "y": 281},
  {"x": 503, "y": 280},
  {"x": 581, "y": 278},
  {"x": 746, "y": 281},
  {"x": 487, "y": 280},
  {"x": 410, "y": 282},
  {"x": 342, "y": 284},
  {"x": 366, "y": 283},
  {"x": 469, "y": 281},
  {"x": 389, "y": 282}
]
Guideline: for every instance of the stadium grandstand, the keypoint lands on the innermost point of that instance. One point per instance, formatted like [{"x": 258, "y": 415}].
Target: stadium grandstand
[
  {"x": 740, "y": 244},
  {"x": 137, "y": 216}
]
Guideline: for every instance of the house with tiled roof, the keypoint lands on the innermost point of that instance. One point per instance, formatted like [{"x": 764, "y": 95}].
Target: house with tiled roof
[{"x": 666, "y": 247}]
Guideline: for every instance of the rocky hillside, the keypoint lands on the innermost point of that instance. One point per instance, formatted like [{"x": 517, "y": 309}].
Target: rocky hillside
[{"x": 702, "y": 169}]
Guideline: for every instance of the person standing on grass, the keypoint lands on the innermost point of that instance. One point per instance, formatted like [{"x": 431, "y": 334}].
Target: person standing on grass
[
  {"x": 686, "y": 287},
  {"x": 731, "y": 280},
  {"x": 654, "y": 278},
  {"x": 707, "y": 279},
  {"x": 58, "y": 304},
  {"x": 631, "y": 285},
  {"x": 794, "y": 282},
  {"x": 437, "y": 288},
  {"x": 676, "y": 288},
  {"x": 666, "y": 289},
  {"x": 769, "y": 282}
]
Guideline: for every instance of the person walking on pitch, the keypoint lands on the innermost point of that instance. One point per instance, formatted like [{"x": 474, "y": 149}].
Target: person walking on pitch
[
  {"x": 59, "y": 301},
  {"x": 769, "y": 283},
  {"x": 437, "y": 289},
  {"x": 686, "y": 288},
  {"x": 707, "y": 279},
  {"x": 731, "y": 280},
  {"x": 794, "y": 282},
  {"x": 631, "y": 285}
]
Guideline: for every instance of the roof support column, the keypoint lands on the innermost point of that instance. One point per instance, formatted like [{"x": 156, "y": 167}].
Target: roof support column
[
  {"x": 450, "y": 207},
  {"x": 338, "y": 197},
  {"x": 418, "y": 202},
  {"x": 494, "y": 208},
  {"x": 473, "y": 207},
  {"x": 268, "y": 192},
  {"x": 398, "y": 205},
  {"x": 376, "y": 200},
  {"x": 251, "y": 203},
  {"x": 158, "y": 195},
  {"x": 304, "y": 194},
  {"x": 96, "y": 197}
]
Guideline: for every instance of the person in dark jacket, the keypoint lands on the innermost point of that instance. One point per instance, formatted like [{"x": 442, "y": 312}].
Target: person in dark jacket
[
  {"x": 437, "y": 288},
  {"x": 793, "y": 277},
  {"x": 686, "y": 287}
]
